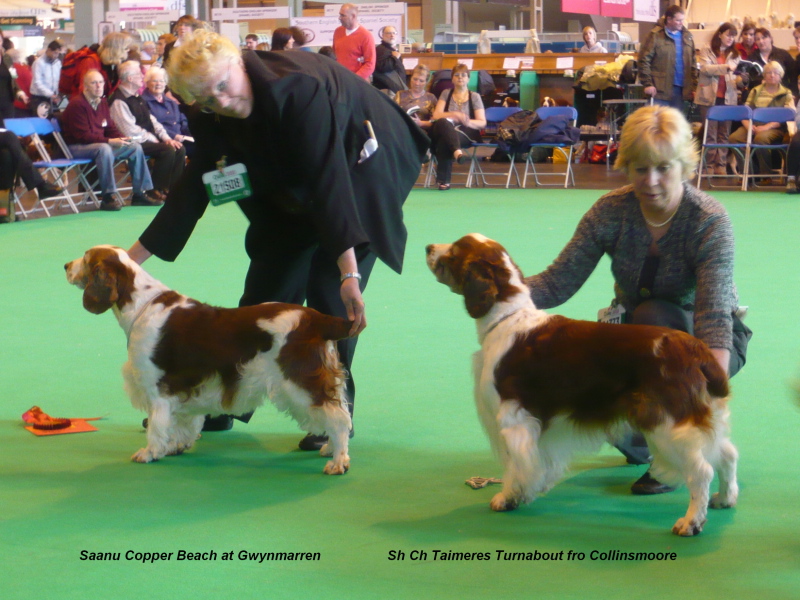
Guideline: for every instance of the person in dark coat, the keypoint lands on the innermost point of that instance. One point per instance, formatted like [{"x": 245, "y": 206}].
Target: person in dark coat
[
  {"x": 390, "y": 74},
  {"x": 327, "y": 199}
]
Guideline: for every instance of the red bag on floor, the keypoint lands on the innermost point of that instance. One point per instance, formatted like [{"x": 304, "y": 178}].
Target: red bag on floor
[{"x": 598, "y": 153}]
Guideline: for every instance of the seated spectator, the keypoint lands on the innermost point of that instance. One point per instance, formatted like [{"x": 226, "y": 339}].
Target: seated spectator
[
  {"x": 165, "y": 110},
  {"x": 459, "y": 116},
  {"x": 769, "y": 93},
  {"x": 133, "y": 118},
  {"x": 747, "y": 40},
  {"x": 327, "y": 51},
  {"x": 793, "y": 158},
  {"x": 389, "y": 74},
  {"x": 282, "y": 39},
  {"x": 15, "y": 162},
  {"x": 418, "y": 101},
  {"x": 148, "y": 52},
  {"x": 90, "y": 132},
  {"x": 251, "y": 41},
  {"x": 590, "y": 41},
  {"x": 765, "y": 52}
]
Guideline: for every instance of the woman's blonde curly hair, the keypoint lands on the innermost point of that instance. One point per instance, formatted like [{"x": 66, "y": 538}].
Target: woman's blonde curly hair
[{"x": 198, "y": 61}]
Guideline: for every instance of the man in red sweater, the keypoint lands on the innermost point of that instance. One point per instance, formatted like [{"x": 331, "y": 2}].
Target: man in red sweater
[
  {"x": 90, "y": 132},
  {"x": 353, "y": 44}
]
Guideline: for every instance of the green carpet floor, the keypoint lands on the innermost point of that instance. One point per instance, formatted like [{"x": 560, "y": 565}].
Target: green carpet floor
[{"x": 417, "y": 438}]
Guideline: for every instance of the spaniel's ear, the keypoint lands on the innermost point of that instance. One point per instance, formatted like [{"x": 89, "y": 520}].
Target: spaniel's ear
[
  {"x": 479, "y": 289},
  {"x": 101, "y": 290}
]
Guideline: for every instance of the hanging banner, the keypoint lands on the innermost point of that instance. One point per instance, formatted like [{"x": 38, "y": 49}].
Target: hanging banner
[
  {"x": 395, "y": 8},
  {"x": 645, "y": 10},
  {"x": 249, "y": 14},
  {"x": 617, "y": 8},
  {"x": 584, "y": 7},
  {"x": 319, "y": 30}
]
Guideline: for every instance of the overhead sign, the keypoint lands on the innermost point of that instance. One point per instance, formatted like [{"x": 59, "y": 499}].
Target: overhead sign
[
  {"x": 617, "y": 8},
  {"x": 160, "y": 16},
  {"x": 250, "y": 14},
  {"x": 17, "y": 20},
  {"x": 393, "y": 8}
]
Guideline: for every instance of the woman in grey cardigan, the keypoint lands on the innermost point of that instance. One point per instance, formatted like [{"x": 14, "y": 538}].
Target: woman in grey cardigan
[{"x": 671, "y": 248}]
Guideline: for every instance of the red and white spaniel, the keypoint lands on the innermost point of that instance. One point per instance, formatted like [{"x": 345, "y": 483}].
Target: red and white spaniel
[
  {"x": 546, "y": 386},
  {"x": 187, "y": 359}
]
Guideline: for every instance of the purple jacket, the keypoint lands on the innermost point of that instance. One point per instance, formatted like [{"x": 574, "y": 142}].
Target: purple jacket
[
  {"x": 168, "y": 113},
  {"x": 81, "y": 124}
]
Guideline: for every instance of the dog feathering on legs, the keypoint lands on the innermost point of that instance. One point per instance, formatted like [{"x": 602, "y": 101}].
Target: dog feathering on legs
[{"x": 547, "y": 386}]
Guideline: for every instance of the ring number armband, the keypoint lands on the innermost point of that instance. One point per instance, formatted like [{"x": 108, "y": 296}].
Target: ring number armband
[{"x": 350, "y": 276}]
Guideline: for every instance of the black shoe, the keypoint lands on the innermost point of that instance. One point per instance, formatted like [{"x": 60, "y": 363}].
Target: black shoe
[
  {"x": 220, "y": 423},
  {"x": 462, "y": 158},
  {"x": 316, "y": 442},
  {"x": 108, "y": 202},
  {"x": 47, "y": 190},
  {"x": 646, "y": 485},
  {"x": 139, "y": 199}
]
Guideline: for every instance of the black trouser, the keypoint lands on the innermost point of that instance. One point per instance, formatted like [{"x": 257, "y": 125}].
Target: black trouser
[
  {"x": 445, "y": 140},
  {"x": 168, "y": 163},
  {"x": 311, "y": 275},
  {"x": 793, "y": 159},
  {"x": 667, "y": 314},
  {"x": 13, "y": 161}
]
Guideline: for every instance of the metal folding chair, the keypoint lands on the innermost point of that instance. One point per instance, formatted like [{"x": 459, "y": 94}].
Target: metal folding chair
[
  {"x": 494, "y": 116},
  {"x": 770, "y": 114},
  {"x": 721, "y": 114},
  {"x": 544, "y": 112},
  {"x": 57, "y": 170}
]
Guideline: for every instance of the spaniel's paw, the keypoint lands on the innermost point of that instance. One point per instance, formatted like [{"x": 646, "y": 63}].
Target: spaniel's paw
[
  {"x": 687, "y": 528},
  {"x": 724, "y": 501},
  {"x": 337, "y": 467},
  {"x": 145, "y": 455},
  {"x": 501, "y": 504}
]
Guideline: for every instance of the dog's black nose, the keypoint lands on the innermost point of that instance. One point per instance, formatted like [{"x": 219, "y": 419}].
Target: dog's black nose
[
  {"x": 66, "y": 266},
  {"x": 428, "y": 248}
]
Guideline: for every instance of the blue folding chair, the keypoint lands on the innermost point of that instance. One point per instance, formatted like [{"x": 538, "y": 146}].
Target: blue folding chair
[
  {"x": 721, "y": 114},
  {"x": 494, "y": 116},
  {"x": 544, "y": 112},
  {"x": 57, "y": 170},
  {"x": 778, "y": 114}
]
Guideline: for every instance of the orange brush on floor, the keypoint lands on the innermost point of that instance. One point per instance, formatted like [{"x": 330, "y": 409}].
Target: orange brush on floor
[{"x": 40, "y": 423}]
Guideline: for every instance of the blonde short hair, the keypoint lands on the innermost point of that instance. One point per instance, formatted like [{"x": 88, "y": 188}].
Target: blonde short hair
[
  {"x": 657, "y": 134},
  {"x": 198, "y": 61},
  {"x": 114, "y": 48},
  {"x": 774, "y": 65},
  {"x": 421, "y": 69}
]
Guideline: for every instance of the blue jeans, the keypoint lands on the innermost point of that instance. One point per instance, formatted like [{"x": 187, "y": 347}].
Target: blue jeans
[
  {"x": 675, "y": 101},
  {"x": 105, "y": 155}
]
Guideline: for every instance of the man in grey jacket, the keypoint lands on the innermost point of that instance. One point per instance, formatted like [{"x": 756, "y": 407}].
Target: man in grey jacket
[{"x": 667, "y": 63}]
